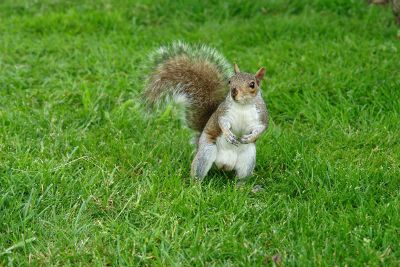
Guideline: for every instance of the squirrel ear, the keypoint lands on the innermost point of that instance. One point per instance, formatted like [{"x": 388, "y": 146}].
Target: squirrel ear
[
  {"x": 236, "y": 68},
  {"x": 260, "y": 75}
]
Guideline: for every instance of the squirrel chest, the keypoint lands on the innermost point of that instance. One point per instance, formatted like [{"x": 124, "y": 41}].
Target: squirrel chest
[{"x": 242, "y": 118}]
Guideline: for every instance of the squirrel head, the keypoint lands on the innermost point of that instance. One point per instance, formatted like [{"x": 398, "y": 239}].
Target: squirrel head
[{"x": 244, "y": 87}]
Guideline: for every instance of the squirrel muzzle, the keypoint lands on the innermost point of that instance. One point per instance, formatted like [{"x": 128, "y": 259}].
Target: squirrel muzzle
[{"x": 234, "y": 93}]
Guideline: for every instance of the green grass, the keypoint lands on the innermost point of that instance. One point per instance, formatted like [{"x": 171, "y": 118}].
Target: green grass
[{"x": 86, "y": 178}]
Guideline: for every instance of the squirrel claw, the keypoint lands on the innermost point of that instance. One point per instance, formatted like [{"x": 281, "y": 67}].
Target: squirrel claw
[
  {"x": 233, "y": 140},
  {"x": 246, "y": 139}
]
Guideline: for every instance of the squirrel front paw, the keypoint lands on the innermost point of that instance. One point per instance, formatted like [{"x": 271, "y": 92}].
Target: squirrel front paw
[
  {"x": 231, "y": 138},
  {"x": 247, "y": 139}
]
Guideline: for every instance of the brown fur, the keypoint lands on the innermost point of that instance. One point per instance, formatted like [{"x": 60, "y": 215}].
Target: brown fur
[
  {"x": 212, "y": 128},
  {"x": 204, "y": 87}
]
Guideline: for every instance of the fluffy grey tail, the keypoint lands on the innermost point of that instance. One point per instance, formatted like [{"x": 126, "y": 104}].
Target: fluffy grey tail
[{"x": 195, "y": 75}]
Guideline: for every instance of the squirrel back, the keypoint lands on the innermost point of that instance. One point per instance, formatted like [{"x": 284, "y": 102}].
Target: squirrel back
[{"x": 194, "y": 75}]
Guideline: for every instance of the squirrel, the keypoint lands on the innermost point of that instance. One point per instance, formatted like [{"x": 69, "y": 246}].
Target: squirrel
[{"x": 225, "y": 109}]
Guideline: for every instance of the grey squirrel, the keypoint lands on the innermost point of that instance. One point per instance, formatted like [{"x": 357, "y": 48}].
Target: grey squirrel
[{"x": 224, "y": 108}]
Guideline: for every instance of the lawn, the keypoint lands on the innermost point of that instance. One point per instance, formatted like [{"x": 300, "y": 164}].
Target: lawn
[{"x": 89, "y": 177}]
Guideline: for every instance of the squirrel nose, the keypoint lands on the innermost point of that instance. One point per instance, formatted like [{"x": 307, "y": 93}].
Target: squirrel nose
[{"x": 234, "y": 92}]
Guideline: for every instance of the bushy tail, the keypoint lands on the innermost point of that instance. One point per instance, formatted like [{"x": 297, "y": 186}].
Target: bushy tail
[{"x": 194, "y": 75}]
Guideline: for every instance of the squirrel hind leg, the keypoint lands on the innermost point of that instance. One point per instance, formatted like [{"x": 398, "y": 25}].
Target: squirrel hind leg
[{"x": 204, "y": 159}]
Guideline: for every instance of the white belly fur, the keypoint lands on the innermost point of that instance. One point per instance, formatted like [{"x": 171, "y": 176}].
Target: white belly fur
[
  {"x": 227, "y": 154},
  {"x": 243, "y": 119}
]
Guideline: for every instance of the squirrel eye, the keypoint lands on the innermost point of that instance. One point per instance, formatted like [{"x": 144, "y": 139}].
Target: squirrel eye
[
  {"x": 252, "y": 84},
  {"x": 229, "y": 82}
]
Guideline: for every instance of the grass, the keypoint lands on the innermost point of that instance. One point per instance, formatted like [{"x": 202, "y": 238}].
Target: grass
[{"x": 87, "y": 179}]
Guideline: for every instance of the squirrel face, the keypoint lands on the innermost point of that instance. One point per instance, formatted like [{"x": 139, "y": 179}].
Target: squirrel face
[{"x": 244, "y": 87}]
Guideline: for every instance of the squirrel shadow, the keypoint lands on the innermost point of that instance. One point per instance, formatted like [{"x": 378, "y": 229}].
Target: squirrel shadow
[
  {"x": 216, "y": 178},
  {"x": 220, "y": 178}
]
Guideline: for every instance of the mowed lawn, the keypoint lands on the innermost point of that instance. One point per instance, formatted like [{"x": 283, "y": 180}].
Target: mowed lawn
[{"x": 89, "y": 177}]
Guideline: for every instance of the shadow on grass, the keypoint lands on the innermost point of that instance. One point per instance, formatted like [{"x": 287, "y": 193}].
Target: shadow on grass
[
  {"x": 217, "y": 179},
  {"x": 221, "y": 180}
]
